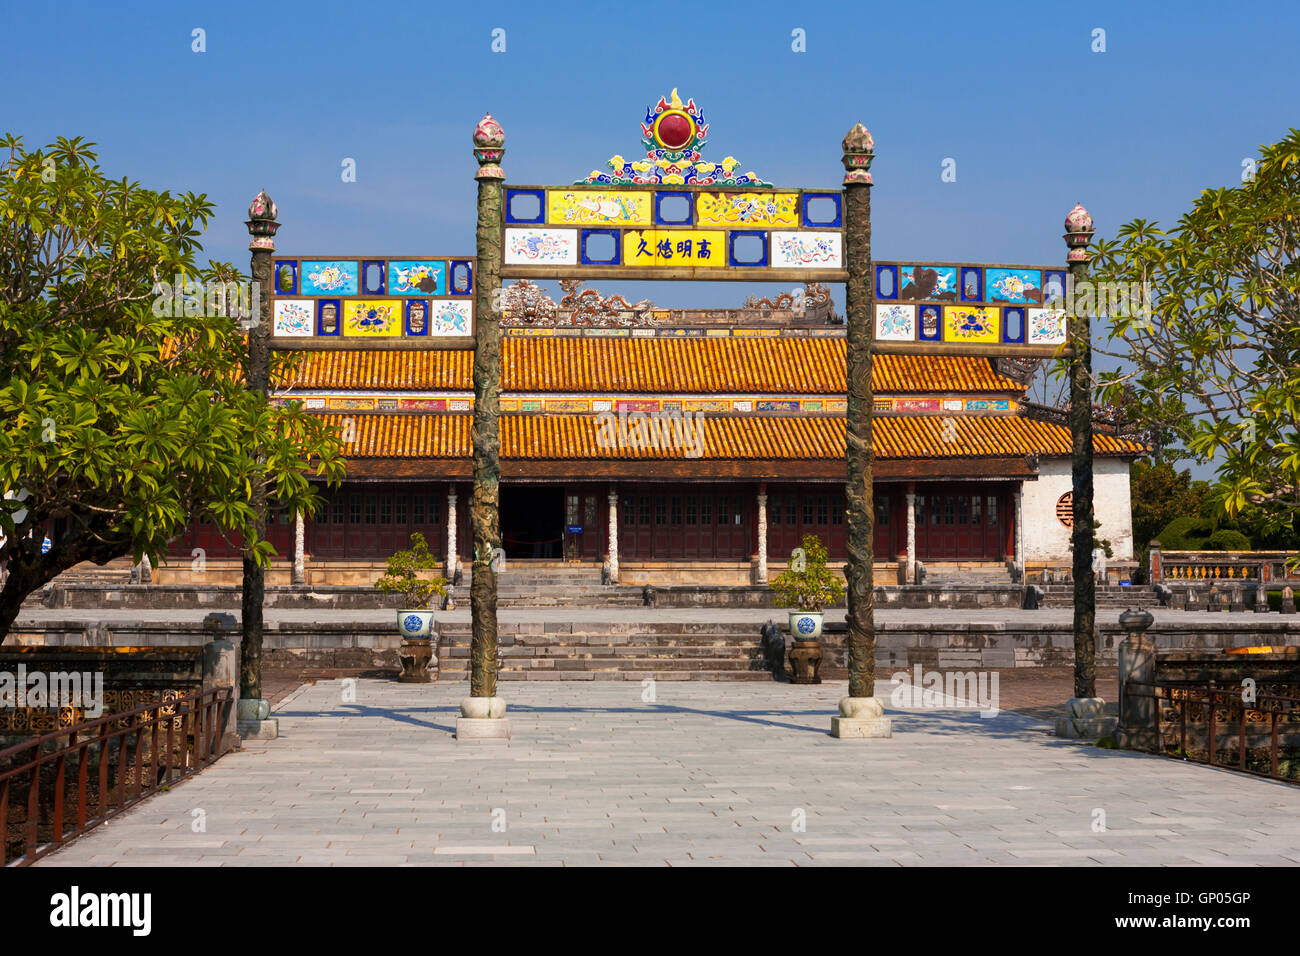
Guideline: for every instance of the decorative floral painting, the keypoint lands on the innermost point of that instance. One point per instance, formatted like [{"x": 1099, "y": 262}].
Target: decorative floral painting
[
  {"x": 896, "y": 322},
  {"x": 416, "y": 278},
  {"x": 815, "y": 250},
  {"x": 620, "y": 207},
  {"x": 1046, "y": 326},
  {"x": 372, "y": 317},
  {"x": 329, "y": 278},
  {"x": 970, "y": 324},
  {"x": 541, "y": 246},
  {"x": 293, "y": 317},
  {"x": 740, "y": 209},
  {"x": 936, "y": 283},
  {"x": 1014, "y": 285},
  {"x": 452, "y": 317}
]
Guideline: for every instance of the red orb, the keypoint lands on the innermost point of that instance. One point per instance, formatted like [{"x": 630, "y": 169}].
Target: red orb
[{"x": 675, "y": 130}]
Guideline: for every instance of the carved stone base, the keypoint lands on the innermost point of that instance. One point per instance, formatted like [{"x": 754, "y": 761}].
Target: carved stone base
[
  {"x": 805, "y": 662},
  {"x": 418, "y": 662},
  {"x": 258, "y": 729},
  {"x": 480, "y": 729},
  {"x": 861, "y": 728},
  {"x": 1085, "y": 719}
]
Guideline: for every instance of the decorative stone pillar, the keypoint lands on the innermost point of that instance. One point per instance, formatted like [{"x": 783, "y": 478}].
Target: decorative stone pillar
[
  {"x": 254, "y": 711},
  {"x": 299, "y": 576},
  {"x": 861, "y": 715},
  {"x": 1137, "y": 666},
  {"x": 613, "y": 534},
  {"x": 911, "y": 532},
  {"x": 762, "y": 533},
  {"x": 483, "y": 713},
  {"x": 451, "y": 532},
  {"x": 1085, "y": 704}
]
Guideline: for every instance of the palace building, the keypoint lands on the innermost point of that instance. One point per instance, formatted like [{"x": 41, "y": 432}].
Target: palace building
[{"x": 689, "y": 447}]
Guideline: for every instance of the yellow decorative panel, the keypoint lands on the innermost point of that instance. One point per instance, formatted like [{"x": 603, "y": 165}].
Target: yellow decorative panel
[
  {"x": 743, "y": 209},
  {"x": 674, "y": 247},
  {"x": 963, "y": 323},
  {"x": 372, "y": 318},
  {"x": 612, "y": 207}
]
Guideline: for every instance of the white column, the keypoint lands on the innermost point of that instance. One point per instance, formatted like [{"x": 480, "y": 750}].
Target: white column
[
  {"x": 762, "y": 534},
  {"x": 911, "y": 536},
  {"x": 451, "y": 532},
  {"x": 613, "y": 533},
  {"x": 1020, "y": 531},
  {"x": 299, "y": 575}
]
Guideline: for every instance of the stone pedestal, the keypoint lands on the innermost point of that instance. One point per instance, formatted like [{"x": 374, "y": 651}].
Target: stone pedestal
[
  {"x": 418, "y": 661},
  {"x": 254, "y": 720},
  {"x": 482, "y": 719},
  {"x": 1085, "y": 719},
  {"x": 1137, "y": 728},
  {"x": 861, "y": 718},
  {"x": 805, "y": 662}
]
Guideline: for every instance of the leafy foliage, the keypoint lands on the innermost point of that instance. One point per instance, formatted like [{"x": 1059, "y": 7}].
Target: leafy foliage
[
  {"x": 1216, "y": 365},
  {"x": 403, "y": 575},
  {"x": 807, "y": 583},
  {"x": 124, "y": 423}
]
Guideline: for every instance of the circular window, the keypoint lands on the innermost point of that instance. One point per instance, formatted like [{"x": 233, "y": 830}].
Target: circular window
[{"x": 1065, "y": 509}]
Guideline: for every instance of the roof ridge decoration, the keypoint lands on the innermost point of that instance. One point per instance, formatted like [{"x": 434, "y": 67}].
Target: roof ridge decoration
[
  {"x": 673, "y": 134},
  {"x": 527, "y": 305}
]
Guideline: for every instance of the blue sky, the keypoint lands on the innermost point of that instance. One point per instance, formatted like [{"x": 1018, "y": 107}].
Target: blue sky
[{"x": 1014, "y": 93}]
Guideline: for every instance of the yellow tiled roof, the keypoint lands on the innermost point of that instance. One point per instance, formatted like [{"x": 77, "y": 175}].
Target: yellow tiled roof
[
  {"x": 697, "y": 366},
  {"x": 561, "y": 436}
]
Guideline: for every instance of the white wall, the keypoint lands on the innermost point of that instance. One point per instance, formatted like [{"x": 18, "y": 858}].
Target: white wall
[{"x": 1047, "y": 540}]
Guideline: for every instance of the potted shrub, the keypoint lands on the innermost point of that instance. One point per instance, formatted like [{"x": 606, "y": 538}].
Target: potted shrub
[
  {"x": 403, "y": 577},
  {"x": 807, "y": 585}
]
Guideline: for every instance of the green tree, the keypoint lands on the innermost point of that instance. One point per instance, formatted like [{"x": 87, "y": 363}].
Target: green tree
[
  {"x": 124, "y": 423},
  {"x": 1213, "y": 360},
  {"x": 1160, "y": 494}
]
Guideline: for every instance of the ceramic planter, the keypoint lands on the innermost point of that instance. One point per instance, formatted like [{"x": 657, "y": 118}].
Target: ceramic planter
[
  {"x": 414, "y": 623},
  {"x": 805, "y": 625}
]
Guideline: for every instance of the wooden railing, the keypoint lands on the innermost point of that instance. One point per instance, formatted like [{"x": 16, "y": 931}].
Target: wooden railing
[{"x": 59, "y": 785}]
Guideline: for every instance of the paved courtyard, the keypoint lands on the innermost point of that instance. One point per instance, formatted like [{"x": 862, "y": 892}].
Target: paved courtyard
[{"x": 741, "y": 774}]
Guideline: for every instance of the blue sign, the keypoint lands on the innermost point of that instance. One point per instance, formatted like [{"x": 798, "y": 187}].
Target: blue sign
[{"x": 575, "y": 529}]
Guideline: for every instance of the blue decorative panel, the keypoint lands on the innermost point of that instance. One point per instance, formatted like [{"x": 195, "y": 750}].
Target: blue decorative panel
[
  {"x": 462, "y": 278},
  {"x": 417, "y": 317},
  {"x": 611, "y": 258},
  {"x": 928, "y": 323},
  {"x": 416, "y": 277},
  {"x": 514, "y": 209},
  {"x": 329, "y": 277},
  {"x": 1014, "y": 285},
  {"x": 1013, "y": 325},
  {"x": 821, "y": 203},
  {"x": 372, "y": 277},
  {"x": 735, "y": 234},
  {"x": 329, "y": 316},
  {"x": 286, "y": 277},
  {"x": 661, "y": 220},
  {"x": 972, "y": 285},
  {"x": 1053, "y": 286},
  {"x": 886, "y": 282}
]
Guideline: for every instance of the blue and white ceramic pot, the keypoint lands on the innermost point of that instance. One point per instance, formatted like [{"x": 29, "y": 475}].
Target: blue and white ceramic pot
[
  {"x": 805, "y": 625},
  {"x": 414, "y": 624}
]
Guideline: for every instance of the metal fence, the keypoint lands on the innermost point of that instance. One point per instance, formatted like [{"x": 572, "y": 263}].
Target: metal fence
[{"x": 60, "y": 785}]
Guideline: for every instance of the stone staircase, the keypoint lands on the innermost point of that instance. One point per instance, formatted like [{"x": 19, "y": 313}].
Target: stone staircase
[
  {"x": 980, "y": 575},
  {"x": 1108, "y": 596},
  {"x": 553, "y": 587},
  {"x": 619, "y": 650}
]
